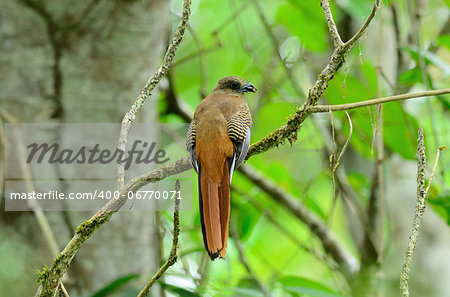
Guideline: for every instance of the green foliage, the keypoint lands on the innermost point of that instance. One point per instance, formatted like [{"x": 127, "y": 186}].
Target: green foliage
[
  {"x": 429, "y": 57},
  {"x": 115, "y": 285},
  {"x": 441, "y": 204},
  {"x": 299, "y": 286},
  {"x": 246, "y": 217},
  {"x": 42, "y": 275},
  {"x": 178, "y": 291}
]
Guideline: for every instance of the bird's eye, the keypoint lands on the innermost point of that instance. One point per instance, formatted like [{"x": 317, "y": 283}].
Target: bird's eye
[{"x": 235, "y": 85}]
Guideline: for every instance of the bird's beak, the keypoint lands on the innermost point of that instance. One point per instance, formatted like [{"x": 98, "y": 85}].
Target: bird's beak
[{"x": 248, "y": 87}]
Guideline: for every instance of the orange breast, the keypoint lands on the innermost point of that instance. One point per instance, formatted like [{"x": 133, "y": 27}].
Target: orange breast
[{"x": 213, "y": 145}]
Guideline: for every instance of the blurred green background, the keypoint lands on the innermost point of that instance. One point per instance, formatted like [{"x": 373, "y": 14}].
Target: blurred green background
[{"x": 85, "y": 61}]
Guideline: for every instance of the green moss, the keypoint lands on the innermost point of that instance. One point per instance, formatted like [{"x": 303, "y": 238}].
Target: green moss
[
  {"x": 42, "y": 275},
  {"x": 43, "y": 279},
  {"x": 88, "y": 227}
]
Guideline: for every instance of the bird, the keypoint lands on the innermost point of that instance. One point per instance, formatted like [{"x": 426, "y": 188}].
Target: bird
[{"x": 217, "y": 141}]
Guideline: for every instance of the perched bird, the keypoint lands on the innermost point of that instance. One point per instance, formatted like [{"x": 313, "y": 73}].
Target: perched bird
[{"x": 217, "y": 141}]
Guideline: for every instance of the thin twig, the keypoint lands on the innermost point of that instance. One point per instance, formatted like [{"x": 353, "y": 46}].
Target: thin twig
[
  {"x": 438, "y": 152},
  {"x": 230, "y": 18},
  {"x": 377, "y": 221},
  {"x": 419, "y": 211},
  {"x": 348, "y": 106},
  {"x": 63, "y": 290},
  {"x": 332, "y": 159},
  {"x": 334, "y": 163},
  {"x": 337, "y": 41},
  {"x": 364, "y": 27},
  {"x": 196, "y": 53},
  {"x": 173, "y": 252},
  {"x": 344, "y": 147},
  {"x": 150, "y": 85}
]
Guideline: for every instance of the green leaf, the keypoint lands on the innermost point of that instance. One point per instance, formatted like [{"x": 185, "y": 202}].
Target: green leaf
[
  {"x": 246, "y": 218},
  {"x": 269, "y": 118},
  {"x": 444, "y": 39},
  {"x": 441, "y": 205},
  {"x": 114, "y": 285},
  {"x": 357, "y": 9},
  {"x": 411, "y": 77},
  {"x": 295, "y": 284},
  {"x": 429, "y": 57},
  {"x": 178, "y": 291},
  {"x": 244, "y": 292},
  {"x": 247, "y": 287},
  {"x": 360, "y": 183},
  {"x": 347, "y": 88},
  {"x": 396, "y": 134},
  {"x": 312, "y": 205}
]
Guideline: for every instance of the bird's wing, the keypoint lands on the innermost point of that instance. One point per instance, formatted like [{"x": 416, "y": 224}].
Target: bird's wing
[
  {"x": 239, "y": 133},
  {"x": 190, "y": 144}
]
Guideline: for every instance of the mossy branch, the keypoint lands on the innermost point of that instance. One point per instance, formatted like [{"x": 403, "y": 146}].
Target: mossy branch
[
  {"x": 150, "y": 85},
  {"x": 419, "y": 211},
  {"x": 348, "y": 106},
  {"x": 173, "y": 252}
]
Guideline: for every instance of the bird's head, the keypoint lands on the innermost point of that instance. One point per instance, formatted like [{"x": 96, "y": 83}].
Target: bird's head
[{"x": 234, "y": 85}]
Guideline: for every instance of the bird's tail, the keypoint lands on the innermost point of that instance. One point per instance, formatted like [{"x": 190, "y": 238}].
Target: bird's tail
[{"x": 215, "y": 211}]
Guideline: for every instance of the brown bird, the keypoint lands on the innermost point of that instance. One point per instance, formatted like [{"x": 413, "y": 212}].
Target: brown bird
[{"x": 218, "y": 141}]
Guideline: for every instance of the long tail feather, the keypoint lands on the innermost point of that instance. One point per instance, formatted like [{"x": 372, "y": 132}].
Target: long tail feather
[
  {"x": 215, "y": 212},
  {"x": 224, "y": 198}
]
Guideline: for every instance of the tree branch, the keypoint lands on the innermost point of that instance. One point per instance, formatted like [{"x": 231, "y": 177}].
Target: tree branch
[
  {"x": 150, "y": 85},
  {"x": 347, "y": 106},
  {"x": 337, "y": 41},
  {"x": 173, "y": 252},
  {"x": 349, "y": 44},
  {"x": 420, "y": 210}
]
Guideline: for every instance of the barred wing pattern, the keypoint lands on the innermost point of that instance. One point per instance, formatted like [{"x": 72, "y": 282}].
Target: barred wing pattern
[
  {"x": 239, "y": 133},
  {"x": 190, "y": 144}
]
